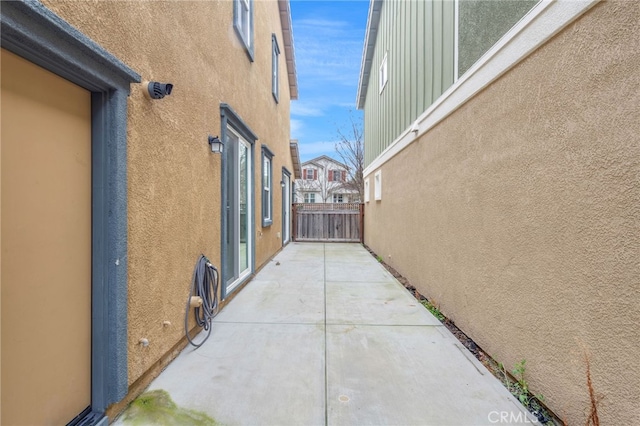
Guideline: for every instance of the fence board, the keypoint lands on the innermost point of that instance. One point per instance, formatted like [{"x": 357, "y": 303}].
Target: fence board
[{"x": 337, "y": 222}]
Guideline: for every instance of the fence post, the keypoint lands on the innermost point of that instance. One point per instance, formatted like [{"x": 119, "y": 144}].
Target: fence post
[
  {"x": 294, "y": 233},
  {"x": 362, "y": 223}
]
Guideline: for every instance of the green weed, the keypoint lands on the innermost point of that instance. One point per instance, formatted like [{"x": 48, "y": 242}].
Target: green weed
[{"x": 433, "y": 309}]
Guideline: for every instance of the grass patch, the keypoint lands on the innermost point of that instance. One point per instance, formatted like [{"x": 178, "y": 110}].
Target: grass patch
[
  {"x": 157, "y": 408},
  {"x": 433, "y": 309}
]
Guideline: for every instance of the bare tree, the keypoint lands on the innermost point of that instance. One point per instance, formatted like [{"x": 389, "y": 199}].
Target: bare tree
[{"x": 350, "y": 148}]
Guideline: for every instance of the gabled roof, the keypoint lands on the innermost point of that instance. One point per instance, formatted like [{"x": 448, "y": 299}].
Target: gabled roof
[
  {"x": 375, "y": 7},
  {"x": 316, "y": 161},
  {"x": 289, "y": 53}
]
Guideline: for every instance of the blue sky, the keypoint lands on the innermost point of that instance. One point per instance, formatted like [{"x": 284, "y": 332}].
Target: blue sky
[{"x": 328, "y": 39}]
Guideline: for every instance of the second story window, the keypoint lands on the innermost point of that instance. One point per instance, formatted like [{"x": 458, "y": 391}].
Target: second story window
[
  {"x": 275, "y": 53},
  {"x": 383, "y": 74},
  {"x": 310, "y": 174},
  {"x": 336, "y": 176},
  {"x": 243, "y": 23}
]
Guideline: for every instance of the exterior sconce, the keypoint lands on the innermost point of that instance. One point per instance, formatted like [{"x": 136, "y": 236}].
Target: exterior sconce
[
  {"x": 282, "y": 183},
  {"x": 157, "y": 90},
  {"x": 216, "y": 144}
]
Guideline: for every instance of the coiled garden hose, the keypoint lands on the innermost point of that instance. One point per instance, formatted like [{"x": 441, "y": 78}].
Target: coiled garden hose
[{"x": 205, "y": 286}]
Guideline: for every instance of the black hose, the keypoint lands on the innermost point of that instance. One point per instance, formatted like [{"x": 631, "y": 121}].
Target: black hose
[{"x": 204, "y": 285}]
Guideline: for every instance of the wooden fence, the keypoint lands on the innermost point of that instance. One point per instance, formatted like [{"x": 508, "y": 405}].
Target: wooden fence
[{"x": 337, "y": 222}]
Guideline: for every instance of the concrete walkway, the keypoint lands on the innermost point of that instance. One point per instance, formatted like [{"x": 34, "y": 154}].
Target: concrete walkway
[{"x": 325, "y": 335}]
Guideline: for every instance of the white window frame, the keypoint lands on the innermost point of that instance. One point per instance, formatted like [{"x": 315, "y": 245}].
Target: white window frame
[
  {"x": 309, "y": 197},
  {"x": 383, "y": 73},
  {"x": 377, "y": 185},
  {"x": 366, "y": 190},
  {"x": 243, "y": 23},
  {"x": 337, "y": 173},
  {"x": 338, "y": 198},
  {"x": 267, "y": 186}
]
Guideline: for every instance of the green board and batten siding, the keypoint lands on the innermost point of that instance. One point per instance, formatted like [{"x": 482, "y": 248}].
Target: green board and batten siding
[{"x": 418, "y": 39}]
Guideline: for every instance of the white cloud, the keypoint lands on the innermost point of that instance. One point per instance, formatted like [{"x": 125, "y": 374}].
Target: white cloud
[
  {"x": 309, "y": 150},
  {"x": 302, "y": 108},
  {"x": 296, "y": 128}
]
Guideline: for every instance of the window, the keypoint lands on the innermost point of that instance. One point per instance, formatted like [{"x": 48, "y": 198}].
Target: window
[
  {"x": 366, "y": 190},
  {"x": 309, "y": 197},
  {"x": 243, "y": 23},
  {"x": 338, "y": 198},
  {"x": 337, "y": 175},
  {"x": 309, "y": 174},
  {"x": 377, "y": 185},
  {"x": 275, "y": 52},
  {"x": 383, "y": 75},
  {"x": 267, "y": 187}
]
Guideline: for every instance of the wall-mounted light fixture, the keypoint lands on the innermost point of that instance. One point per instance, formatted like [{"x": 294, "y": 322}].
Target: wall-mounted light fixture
[
  {"x": 282, "y": 183},
  {"x": 216, "y": 144},
  {"x": 157, "y": 90}
]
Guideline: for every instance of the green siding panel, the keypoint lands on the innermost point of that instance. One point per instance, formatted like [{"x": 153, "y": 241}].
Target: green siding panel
[
  {"x": 419, "y": 48},
  {"x": 418, "y": 37}
]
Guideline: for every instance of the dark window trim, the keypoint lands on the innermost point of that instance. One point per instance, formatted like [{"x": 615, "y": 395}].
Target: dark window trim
[
  {"x": 248, "y": 44},
  {"x": 228, "y": 117},
  {"x": 287, "y": 173},
  {"x": 275, "y": 70},
  {"x": 267, "y": 153},
  {"x": 33, "y": 32}
]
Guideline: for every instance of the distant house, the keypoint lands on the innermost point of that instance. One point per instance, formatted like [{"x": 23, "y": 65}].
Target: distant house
[
  {"x": 502, "y": 147},
  {"x": 324, "y": 181}
]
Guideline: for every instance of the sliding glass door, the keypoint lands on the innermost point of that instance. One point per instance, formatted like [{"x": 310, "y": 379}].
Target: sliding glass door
[{"x": 239, "y": 234}]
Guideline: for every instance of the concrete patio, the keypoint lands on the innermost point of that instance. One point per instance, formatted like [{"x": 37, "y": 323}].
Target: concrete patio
[{"x": 324, "y": 335}]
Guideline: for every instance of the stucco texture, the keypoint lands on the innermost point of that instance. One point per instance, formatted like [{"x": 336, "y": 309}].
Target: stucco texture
[
  {"x": 173, "y": 179},
  {"x": 519, "y": 216}
]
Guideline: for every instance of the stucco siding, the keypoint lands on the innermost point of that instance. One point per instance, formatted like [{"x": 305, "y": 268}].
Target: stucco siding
[
  {"x": 174, "y": 180},
  {"x": 518, "y": 215}
]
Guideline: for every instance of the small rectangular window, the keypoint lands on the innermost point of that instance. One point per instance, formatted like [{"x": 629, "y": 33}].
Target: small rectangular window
[
  {"x": 275, "y": 53},
  {"x": 338, "y": 198},
  {"x": 377, "y": 185},
  {"x": 383, "y": 75},
  {"x": 366, "y": 190},
  {"x": 309, "y": 197},
  {"x": 267, "y": 187}
]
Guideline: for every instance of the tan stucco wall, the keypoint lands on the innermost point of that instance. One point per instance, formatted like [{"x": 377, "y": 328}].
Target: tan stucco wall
[
  {"x": 519, "y": 215},
  {"x": 173, "y": 178}
]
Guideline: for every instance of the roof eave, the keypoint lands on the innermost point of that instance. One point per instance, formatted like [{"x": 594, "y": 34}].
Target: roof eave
[
  {"x": 295, "y": 159},
  {"x": 289, "y": 52},
  {"x": 373, "y": 20}
]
